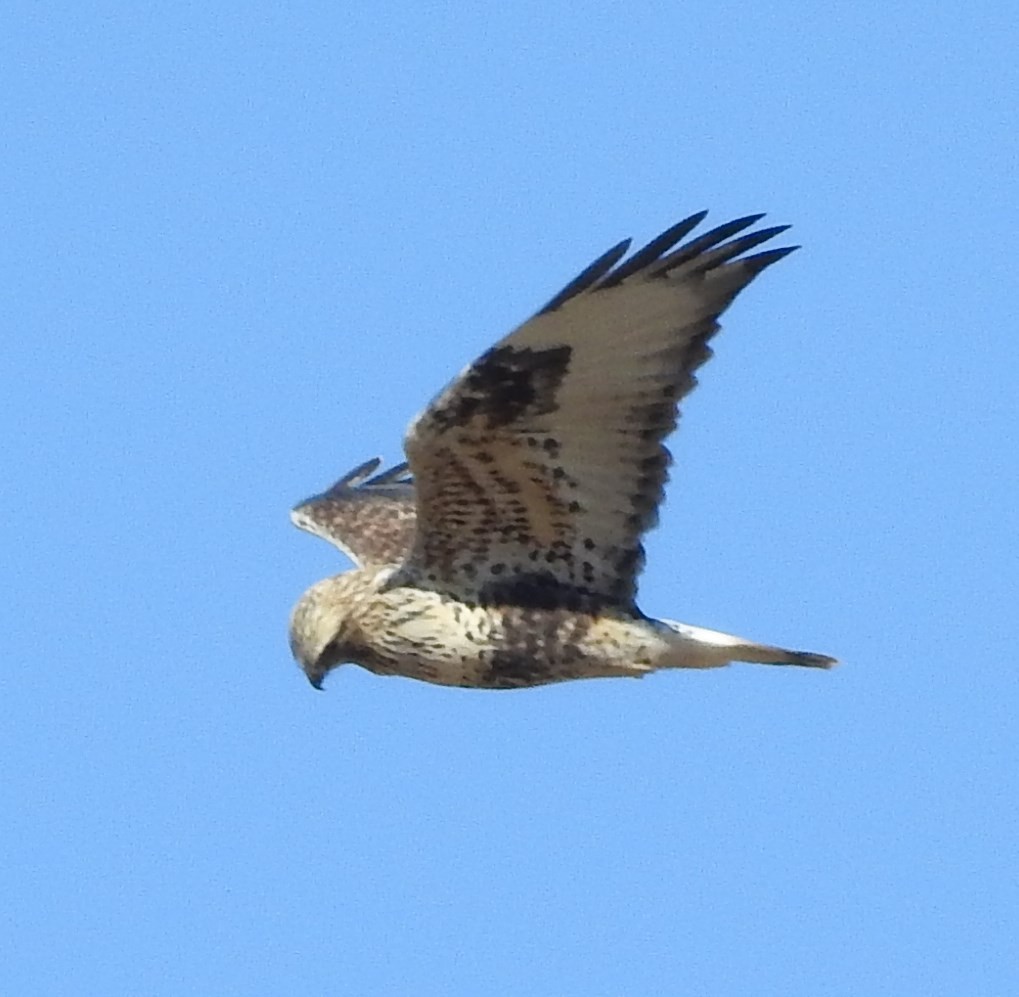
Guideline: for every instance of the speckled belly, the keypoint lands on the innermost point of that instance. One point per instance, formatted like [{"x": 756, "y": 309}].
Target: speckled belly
[{"x": 434, "y": 639}]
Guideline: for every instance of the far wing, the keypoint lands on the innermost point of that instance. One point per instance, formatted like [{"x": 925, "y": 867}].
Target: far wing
[
  {"x": 542, "y": 464},
  {"x": 371, "y": 519}
]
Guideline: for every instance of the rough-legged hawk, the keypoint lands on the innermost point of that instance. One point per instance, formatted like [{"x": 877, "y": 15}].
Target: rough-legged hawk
[{"x": 505, "y": 553}]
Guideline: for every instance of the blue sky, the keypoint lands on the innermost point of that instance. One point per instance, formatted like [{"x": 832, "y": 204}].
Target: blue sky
[{"x": 245, "y": 243}]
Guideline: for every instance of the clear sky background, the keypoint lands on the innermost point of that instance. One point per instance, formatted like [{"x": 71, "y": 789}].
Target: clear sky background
[{"x": 244, "y": 243}]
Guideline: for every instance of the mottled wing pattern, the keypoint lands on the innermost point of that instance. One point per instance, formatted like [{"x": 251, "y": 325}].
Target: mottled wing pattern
[
  {"x": 541, "y": 465},
  {"x": 369, "y": 516}
]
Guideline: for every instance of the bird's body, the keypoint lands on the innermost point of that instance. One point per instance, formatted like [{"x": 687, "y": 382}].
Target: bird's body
[
  {"x": 422, "y": 634},
  {"x": 511, "y": 558}
]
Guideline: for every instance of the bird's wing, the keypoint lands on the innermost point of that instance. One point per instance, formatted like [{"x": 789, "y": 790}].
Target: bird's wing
[
  {"x": 541, "y": 465},
  {"x": 370, "y": 518}
]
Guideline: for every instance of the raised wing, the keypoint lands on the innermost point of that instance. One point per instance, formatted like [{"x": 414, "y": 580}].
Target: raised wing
[
  {"x": 371, "y": 519},
  {"x": 541, "y": 465}
]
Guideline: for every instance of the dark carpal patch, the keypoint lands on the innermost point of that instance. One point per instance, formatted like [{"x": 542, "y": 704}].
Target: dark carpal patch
[{"x": 507, "y": 384}]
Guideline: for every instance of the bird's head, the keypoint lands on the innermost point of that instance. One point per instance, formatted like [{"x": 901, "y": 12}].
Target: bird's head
[{"x": 318, "y": 627}]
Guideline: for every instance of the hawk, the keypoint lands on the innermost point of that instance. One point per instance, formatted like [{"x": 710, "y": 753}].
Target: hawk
[{"x": 505, "y": 553}]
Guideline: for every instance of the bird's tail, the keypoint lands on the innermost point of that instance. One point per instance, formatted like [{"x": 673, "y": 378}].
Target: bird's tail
[{"x": 697, "y": 647}]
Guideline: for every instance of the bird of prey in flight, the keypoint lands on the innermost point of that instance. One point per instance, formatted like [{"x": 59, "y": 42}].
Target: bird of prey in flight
[{"x": 505, "y": 553}]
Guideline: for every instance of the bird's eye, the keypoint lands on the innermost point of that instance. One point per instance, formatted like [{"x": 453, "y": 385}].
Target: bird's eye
[{"x": 332, "y": 654}]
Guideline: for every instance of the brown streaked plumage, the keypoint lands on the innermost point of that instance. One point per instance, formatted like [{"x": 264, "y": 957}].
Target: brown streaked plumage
[
  {"x": 507, "y": 552},
  {"x": 369, "y": 516}
]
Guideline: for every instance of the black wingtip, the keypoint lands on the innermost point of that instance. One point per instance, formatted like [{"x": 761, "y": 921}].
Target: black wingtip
[
  {"x": 702, "y": 244},
  {"x": 589, "y": 276},
  {"x": 772, "y": 231},
  {"x": 712, "y": 259},
  {"x": 653, "y": 251},
  {"x": 760, "y": 261},
  {"x": 659, "y": 258}
]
